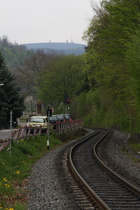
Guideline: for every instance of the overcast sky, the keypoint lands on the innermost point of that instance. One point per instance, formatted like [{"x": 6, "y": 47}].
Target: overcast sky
[{"x": 34, "y": 21}]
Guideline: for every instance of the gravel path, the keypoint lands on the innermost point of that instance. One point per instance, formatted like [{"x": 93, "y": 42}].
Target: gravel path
[{"x": 48, "y": 184}]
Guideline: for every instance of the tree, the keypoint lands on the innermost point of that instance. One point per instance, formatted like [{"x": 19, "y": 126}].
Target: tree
[
  {"x": 14, "y": 54},
  {"x": 132, "y": 58},
  {"x": 28, "y": 73},
  {"x": 108, "y": 36},
  {"x": 10, "y": 98},
  {"x": 63, "y": 76}
]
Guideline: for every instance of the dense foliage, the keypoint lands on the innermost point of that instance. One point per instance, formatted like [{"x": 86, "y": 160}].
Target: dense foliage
[
  {"x": 13, "y": 54},
  {"x": 64, "y": 76},
  {"x": 113, "y": 63},
  {"x": 48, "y": 77},
  {"x": 10, "y": 98},
  {"x": 28, "y": 73}
]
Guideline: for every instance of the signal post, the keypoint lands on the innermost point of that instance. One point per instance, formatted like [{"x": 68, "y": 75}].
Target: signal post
[{"x": 49, "y": 114}]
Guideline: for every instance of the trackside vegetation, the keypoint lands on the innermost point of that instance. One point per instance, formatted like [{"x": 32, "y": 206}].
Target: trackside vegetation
[
  {"x": 15, "y": 169},
  {"x": 10, "y": 97},
  {"x": 113, "y": 66}
]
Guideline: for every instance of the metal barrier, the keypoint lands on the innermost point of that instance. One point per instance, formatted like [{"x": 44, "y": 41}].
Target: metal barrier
[{"x": 24, "y": 132}]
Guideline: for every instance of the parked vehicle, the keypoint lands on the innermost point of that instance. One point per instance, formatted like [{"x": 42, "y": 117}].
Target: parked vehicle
[
  {"x": 64, "y": 117},
  {"x": 60, "y": 117},
  {"x": 39, "y": 121},
  {"x": 67, "y": 117},
  {"x": 53, "y": 120}
]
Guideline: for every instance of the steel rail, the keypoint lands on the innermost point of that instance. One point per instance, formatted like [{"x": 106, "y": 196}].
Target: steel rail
[
  {"x": 91, "y": 193},
  {"x": 112, "y": 173},
  {"x": 94, "y": 196}
]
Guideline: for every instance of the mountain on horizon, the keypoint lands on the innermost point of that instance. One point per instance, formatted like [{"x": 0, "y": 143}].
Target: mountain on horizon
[{"x": 66, "y": 48}]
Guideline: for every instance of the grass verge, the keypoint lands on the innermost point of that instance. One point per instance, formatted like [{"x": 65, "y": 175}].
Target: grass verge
[
  {"x": 15, "y": 169},
  {"x": 135, "y": 147}
]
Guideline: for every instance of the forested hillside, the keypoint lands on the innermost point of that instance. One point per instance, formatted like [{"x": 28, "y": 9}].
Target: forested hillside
[
  {"x": 66, "y": 48},
  {"x": 113, "y": 65},
  {"x": 13, "y": 54}
]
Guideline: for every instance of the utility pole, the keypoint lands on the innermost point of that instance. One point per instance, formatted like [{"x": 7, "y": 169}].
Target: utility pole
[{"x": 11, "y": 131}]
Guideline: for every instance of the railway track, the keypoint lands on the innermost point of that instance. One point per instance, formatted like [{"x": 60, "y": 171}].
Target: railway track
[{"x": 103, "y": 188}]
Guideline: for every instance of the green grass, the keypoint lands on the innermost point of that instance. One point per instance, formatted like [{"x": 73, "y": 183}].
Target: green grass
[
  {"x": 15, "y": 169},
  {"x": 135, "y": 148}
]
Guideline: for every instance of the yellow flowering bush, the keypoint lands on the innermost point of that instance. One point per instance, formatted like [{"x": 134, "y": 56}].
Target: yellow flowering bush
[
  {"x": 5, "y": 187},
  {"x": 21, "y": 140},
  {"x": 8, "y": 208},
  {"x": 18, "y": 172}
]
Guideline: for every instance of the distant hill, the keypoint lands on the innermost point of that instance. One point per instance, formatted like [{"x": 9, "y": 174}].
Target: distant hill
[{"x": 58, "y": 47}]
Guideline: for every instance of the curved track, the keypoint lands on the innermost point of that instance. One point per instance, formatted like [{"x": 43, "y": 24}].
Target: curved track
[{"x": 104, "y": 187}]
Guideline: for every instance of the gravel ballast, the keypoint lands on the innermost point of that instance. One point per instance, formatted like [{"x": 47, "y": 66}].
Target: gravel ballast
[
  {"x": 118, "y": 156},
  {"x": 48, "y": 185}
]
